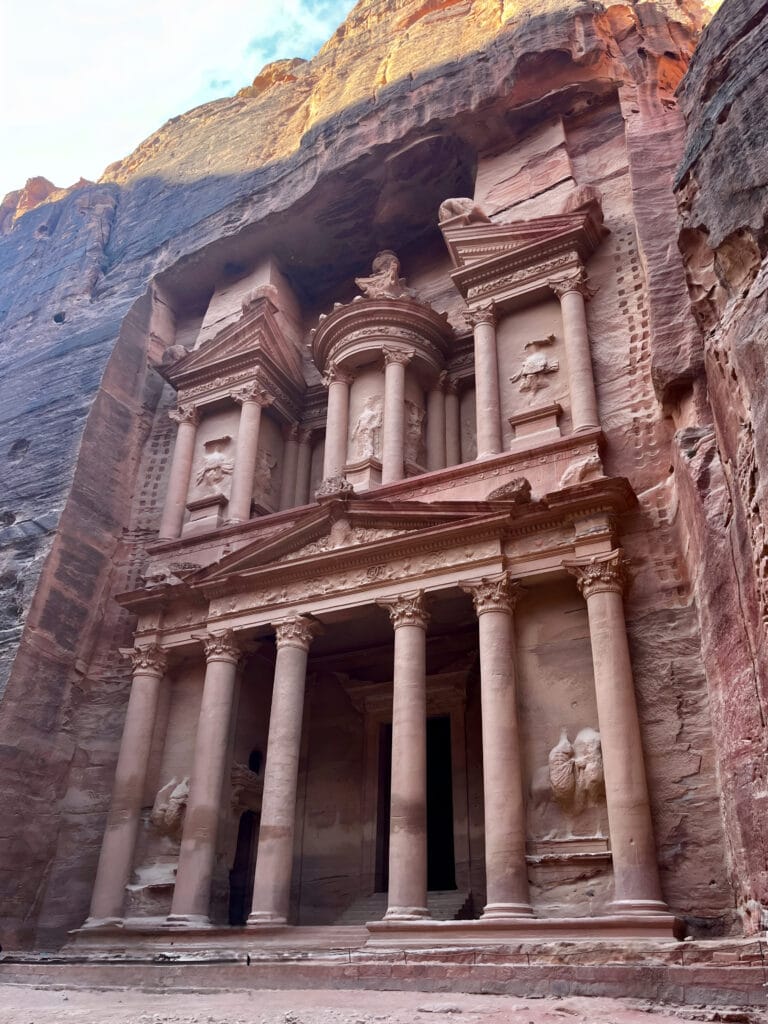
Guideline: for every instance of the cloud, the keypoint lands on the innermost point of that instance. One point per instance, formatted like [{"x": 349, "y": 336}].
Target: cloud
[{"x": 84, "y": 82}]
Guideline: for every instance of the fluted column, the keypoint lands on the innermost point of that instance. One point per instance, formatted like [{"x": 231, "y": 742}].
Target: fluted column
[
  {"x": 290, "y": 463},
  {"x": 274, "y": 861},
  {"x": 172, "y": 520},
  {"x": 573, "y": 292},
  {"x": 337, "y": 422},
  {"x": 487, "y": 397},
  {"x": 252, "y": 398},
  {"x": 117, "y": 848},
  {"x": 303, "y": 466},
  {"x": 436, "y": 424},
  {"x": 407, "y": 897},
  {"x": 452, "y": 423},
  {"x": 506, "y": 873},
  {"x": 393, "y": 443},
  {"x": 601, "y": 579},
  {"x": 191, "y": 895}
]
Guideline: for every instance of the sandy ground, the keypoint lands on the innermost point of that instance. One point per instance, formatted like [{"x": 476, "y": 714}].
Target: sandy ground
[{"x": 26, "y": 1005}]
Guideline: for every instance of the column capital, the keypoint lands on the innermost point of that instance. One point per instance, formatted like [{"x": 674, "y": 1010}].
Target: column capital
[
  {"x": 575, "y": 282},
  {"x": 254, "y": 392},
  {"x": 336, "y": 375},
  {"x": 493, "y": 593},
  {"x": 297, "y": 631},
  {"x": 452, "y": 385},
  {"x": 406, "y": 609},
  {"x": 403, "y": 356},
  {"x": 220, "y": 645},
  {"x": 292, "y": 432},
  {"x": 304, "y": 435},
  {"x": 482, "y": 315},
  {"x": 600, "y": 573},
  {"x": 148, "y": 659},
  {"x": 185, "y": 414}
]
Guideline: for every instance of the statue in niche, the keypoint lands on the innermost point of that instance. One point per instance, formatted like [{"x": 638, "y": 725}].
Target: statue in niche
[
  {"x": 414, "y": 434},
  {"x": 366, "y": 436},
  {"x": 464, "y": 211},
  {"x": 169, "y": 808},
  {"x": 385, "y": 281},
  {"x": 263, "y": 485},
  {"x": 572, "y": 781},
  {"x": 216, "y": 467},
  {"x": 536, "y": 365}
]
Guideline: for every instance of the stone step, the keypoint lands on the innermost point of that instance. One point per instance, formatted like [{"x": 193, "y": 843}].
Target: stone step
[{"x": 444, "y": 905}]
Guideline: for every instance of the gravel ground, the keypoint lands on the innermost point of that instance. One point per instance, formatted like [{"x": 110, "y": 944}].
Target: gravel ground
[{"x": 27, "y": 1005}]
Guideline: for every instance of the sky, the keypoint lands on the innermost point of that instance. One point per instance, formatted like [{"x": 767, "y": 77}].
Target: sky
[{"x": 82, "y": 82}]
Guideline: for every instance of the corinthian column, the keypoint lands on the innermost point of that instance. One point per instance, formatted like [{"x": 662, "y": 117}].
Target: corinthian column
[
  {"x": 337, "y": 422},
  {"x": 436, "y": 425},
  {"x": 393, "y": 443},
  {"x": 252, "y": 398},
  {"x": 117, "y": 848},
  {"x": 452, "y": 423},
  {"x": 407, "y": 897},
  {"x": 506, "y": 873},
  {"x": 191, "y": 895},
  {"x": 572, "y": 292},
  {"x": 486, "y": 382},
  {"x": 274, "y": 861},
  {"x": 187, "y": 418},
  {"x": 601, "y": 579}
]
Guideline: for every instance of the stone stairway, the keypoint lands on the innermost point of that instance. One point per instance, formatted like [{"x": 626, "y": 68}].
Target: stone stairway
[{"x": 447, "y": 905}]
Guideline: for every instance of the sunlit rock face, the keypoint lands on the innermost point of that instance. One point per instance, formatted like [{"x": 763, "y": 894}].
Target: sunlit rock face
[
  {"x": 278, "y": 199},
  {"x": 721, "y": 449}
]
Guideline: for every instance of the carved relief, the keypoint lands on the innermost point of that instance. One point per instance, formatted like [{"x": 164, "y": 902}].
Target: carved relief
[
  {"x": 463, "y": 211},
  {"x": 589, "y": 468},
  {"x": 568, "y": 793},
  {"x": 415, "y": 448},
  {"x": 517, "y": 490},
  {"x": 385, "y": 281},
  {"x": 169, "y": 808},
  {"x": 535, "y": 366},
  {"x": 366, "y": 435},
  {"x": 216, "y": 466},
  {"x": 518, "y": 276},
  {"x": 263, "y": 486},
  {"x": 358, "y": 536},
  {"x": 334, "y": 487}
]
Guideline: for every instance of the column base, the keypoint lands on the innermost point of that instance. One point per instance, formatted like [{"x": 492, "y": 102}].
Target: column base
[
  {"x": 638, "y": 908},
  {"x": 407, "y": 914},
  {"x": 504, "y": 911},
  {"x": 261, "y": 917},
  {"x": 189, "y": 920},
  {"x": 103, "y": 922}
]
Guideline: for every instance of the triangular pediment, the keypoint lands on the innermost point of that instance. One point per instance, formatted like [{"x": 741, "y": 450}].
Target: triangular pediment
[{"x": 256, "y": 339}]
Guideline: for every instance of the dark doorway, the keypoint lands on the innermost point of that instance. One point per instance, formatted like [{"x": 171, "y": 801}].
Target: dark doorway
[
  {"x": 441, "y": 860},
  {"x": 241, "y": 875}
]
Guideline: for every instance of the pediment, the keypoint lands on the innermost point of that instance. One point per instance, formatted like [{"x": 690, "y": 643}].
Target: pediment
[{"x": 255, "y": 340}]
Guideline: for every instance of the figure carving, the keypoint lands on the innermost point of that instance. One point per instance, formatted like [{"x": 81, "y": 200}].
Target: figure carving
[
  {"x": 517, "y": 490},
  {"x": 466, "y": 209},
  {"x": 262, "y": 477},
  {"x": 169, "y": 808},
  {"x": 585, "y": 469},
  {"x": 414, "y": 434},
  {"x": 216, "y": 467},
  {"x": 385, "y": 281},
  {"x": 576, "y": 771},
  {"x": 366, "y": 436},
  {"x": 535, "y": 366}
]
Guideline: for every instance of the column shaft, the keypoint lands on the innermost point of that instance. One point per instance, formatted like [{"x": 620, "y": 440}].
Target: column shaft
[
  {"x": 407, "y": 897},
  {"x": 393, "y": 441},
  {"x": 337, "y": 424},
  {"x": 117, "y": 848},
  {"x": 175, "y": 505},
  {"x": 581, "y": 382},
  {"x": 191, "y": 896},
  {"x": 487, "y": 384},
  {"x": 290, "y": 463},
  {"x": 635, "y": 870},
  {"x": 436, "y": 428},
  {"x": 452, "y": 425},
  {"x": 303, "y": 467},
  {"x": 241, "y": 492},
  {"x": 274, "y": 861}
]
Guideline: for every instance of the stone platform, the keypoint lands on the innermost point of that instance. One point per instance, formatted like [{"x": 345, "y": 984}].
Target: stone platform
[{"x": 713, "y": 973}]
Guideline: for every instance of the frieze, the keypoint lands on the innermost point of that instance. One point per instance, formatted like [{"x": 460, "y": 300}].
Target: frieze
[
  {"x": 523, "y": 274},
  {"x": 359, "y": 535}
]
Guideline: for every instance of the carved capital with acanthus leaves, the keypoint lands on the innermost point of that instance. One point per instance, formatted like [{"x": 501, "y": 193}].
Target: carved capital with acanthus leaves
[
  {"x": 221, "y": 646},
  {"x": 402, "y": 356},
  {"x": 297, "y": 631},
  {"x": 600, "y": 574},
  {"x": 336, "y": 375},
  {"x": 255, "y": 392},
  {"x": 576, "y": 282},
  {"x": 493, "y": 593},
  {"x": 482, "y": 315},
  {"x": 146, "y": 659},
  {"x": 185, "y": 414},
  {"x": 407, "y": 610}
]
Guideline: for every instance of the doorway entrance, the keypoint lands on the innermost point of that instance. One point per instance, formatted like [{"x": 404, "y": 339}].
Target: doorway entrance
[
  {"x": 241, "y": 875},
  {"x": 441, "y": 858}
]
